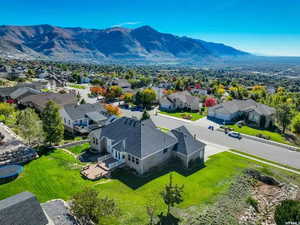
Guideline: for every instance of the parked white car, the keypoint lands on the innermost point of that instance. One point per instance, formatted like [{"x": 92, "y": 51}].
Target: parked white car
[{"x": 235, "y": 135}]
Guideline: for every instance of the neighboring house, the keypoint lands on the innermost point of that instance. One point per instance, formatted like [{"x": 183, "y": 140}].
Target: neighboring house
[
  {"x": 4, "y": 71},
  {"x": 43, "y": 75},
  {"x": 198, "y": 91},
  {"x": 24, "y": 89},
  {"x": 179, "y": 101},
  {"x": 85, "y": 80},
  {"x": 141, "y": 146},
  {"x": 39, "y": 101},
  {"x": 85, "y": 117},
  {"x": 165, "y": 85},
  {"x": 23, "y": 92},
  {"x": 24, "y": 209},
  {"x": 271, "y": 90},
  {"x": 159, "y": 92},
  {"x": 123, "y": 83},
  {"x": 252, "y": 112}
]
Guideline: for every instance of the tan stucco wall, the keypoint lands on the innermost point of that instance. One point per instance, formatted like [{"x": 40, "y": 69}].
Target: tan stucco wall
[{"x": 155, "y": 160}]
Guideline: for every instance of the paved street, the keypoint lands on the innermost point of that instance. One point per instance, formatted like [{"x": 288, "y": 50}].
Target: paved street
[{"x": 267, "y": 151}]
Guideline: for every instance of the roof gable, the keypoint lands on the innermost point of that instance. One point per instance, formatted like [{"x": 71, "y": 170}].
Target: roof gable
[
  {"x": 187, "y": 144},
  {"x": 142, "y": 138}
]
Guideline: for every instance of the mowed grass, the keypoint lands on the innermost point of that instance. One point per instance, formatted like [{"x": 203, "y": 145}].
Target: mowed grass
[
  {"x": 77, "y": 149},
  {"x": 77, "y": 86},
  {"x": 51, "y": 176},
  {"x": 253, "y": 132},
  {"x": 195, "y": 115},
  {"x": 57, "y": 176}
]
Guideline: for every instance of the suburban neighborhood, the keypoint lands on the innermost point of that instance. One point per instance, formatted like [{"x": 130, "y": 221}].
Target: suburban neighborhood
[{"x": 149, "y": 112}]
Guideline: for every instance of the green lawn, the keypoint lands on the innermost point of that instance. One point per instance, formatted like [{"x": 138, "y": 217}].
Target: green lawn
[
  {"x": 195, "y": 116},
  {"x": 253, "y": 132},
  {"x": 57, "y": 176},
  {"x": 78, "y": 86},
  {"x": 77, "y": 149},
  {"x": 163, "y": 129}
]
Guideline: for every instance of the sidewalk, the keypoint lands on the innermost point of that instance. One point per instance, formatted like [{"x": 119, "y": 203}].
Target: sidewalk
[{"x": 267, "y": 163}]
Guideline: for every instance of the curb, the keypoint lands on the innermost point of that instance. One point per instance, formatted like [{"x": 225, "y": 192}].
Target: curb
[
  {"x": 288, "y": 147},
  {"x": 265, "y": 162},
  {"x": 175, "y": 118}
]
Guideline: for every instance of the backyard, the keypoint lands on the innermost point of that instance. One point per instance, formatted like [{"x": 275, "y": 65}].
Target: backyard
[
  {"x": 56, "y": 175},
  {"x": 77, "y": 149},
  {"x": 184, "y": 115}
]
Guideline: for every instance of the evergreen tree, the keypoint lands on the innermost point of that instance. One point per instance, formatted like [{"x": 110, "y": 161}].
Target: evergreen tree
[
  {"x": 52, "y": 124},
  {"x": 145, "y": 115},
  {"x": 284, "y": 116},
  {"x": 172, "y": 194}
]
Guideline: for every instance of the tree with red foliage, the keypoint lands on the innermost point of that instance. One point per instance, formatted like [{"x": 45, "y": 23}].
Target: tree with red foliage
[
  {"x": 114, "y": 110},
  {"x": 96, "y": 90},
  {"x": 197, "y": 86},
  {"x": 209, "y": 102}
]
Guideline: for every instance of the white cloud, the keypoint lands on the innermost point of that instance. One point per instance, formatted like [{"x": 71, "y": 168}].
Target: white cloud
[{"x": 126, "y": 23}]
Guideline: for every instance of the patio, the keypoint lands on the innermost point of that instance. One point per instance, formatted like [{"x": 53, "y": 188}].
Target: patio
[{"x": 95, "y": 171}]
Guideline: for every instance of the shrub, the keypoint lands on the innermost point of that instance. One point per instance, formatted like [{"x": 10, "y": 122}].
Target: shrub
[
  {"x": 263, "y": 136},
  {"x": 253, "y": 202},
  {"x": 186, "y": 116},
  {"x": 113, "y": 110},
  {"x": 287, "y": 212},
  {"x": 210, "y": 102}
]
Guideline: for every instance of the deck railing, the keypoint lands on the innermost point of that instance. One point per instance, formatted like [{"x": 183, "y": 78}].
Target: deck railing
[
  {"x": 105, "y": 157},
  {"x": 115, "y": 164}
]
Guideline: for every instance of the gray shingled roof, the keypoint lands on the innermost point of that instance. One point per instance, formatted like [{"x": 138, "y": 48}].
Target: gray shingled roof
[
  {"x": 22, "y": 209},
  {"x": 183, "y": 96},
  {"x": 243, "y": 106},
  {"x": 7, "y": 91},
  {"x": 23, "y": 91},
  {"x": 58, "y": 212},
  {"x": 79, "y": 111},
  {"x": 142, "y": 138},
  {"x": 40, "y": 100},
  {"x": 187, "y": 144}
]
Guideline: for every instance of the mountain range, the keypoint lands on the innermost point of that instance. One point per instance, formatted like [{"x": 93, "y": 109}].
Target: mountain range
[{"x": 117, "y": 44}]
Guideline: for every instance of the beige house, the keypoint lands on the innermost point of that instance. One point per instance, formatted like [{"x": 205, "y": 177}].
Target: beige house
[
  {"x": 179, "y": 101},
  {"x": 254, "y": 113},
  {"x": 141, "y": 146}
]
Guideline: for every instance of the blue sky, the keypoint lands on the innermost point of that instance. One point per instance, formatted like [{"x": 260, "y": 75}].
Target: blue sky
[{"x": 268, "y": 27}]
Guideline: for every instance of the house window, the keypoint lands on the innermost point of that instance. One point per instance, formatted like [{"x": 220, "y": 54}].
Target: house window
[
  {"x": 129, "y": 157},
  {"x": 96, "y": 141},
  {"x": 137, "y": 161},
  {"x": 65, "y": 120},
  {"x": 123, "y": 156},
  {"x": 69, "y": 122},
  {"x": 165, "y": 151}
]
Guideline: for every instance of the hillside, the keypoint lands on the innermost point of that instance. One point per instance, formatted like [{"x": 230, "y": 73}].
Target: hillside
[{"x": 143, "y": 44}]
